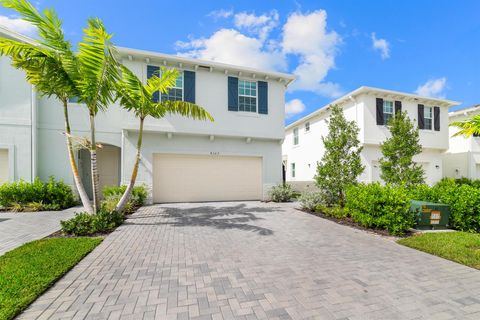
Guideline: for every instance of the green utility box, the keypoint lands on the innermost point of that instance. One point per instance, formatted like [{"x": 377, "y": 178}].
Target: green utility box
[{"x": 429, "y": 215}]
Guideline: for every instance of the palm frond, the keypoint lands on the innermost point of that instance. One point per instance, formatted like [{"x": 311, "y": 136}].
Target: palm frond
[
  {"x": 99, "y": 69},
  {"x": 185, "y": 109},
  {"x": 468, "y": 127},
  {"x": 165, "y": 80}
]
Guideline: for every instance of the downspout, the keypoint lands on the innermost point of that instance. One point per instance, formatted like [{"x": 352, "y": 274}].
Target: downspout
[
  {"x": 33, "y": 116},
  {"x": 122, "y": 161}
]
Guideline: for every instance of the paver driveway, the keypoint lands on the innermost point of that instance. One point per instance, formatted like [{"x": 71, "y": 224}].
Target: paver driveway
[{"x": 256, "y": 261}]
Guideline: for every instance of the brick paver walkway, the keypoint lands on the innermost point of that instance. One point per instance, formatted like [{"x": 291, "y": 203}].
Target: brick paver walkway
[
  {"x": 256, "y": 261},
  {"x": 17, "y": 228}
]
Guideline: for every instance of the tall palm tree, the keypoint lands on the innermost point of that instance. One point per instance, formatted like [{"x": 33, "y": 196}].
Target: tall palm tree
[
  {"x": 97, "y": 72},
  {"x": 468, "y": 127},
  {"x": 138, "y": 97},
  {"x": 43, "y": 63}
]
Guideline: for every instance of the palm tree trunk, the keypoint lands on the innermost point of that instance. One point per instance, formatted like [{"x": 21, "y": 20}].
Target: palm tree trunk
[
  {"x": 126, "y": 195},
  {"x": 76, "y": 176},
  {"x": 93, "y": 164}
]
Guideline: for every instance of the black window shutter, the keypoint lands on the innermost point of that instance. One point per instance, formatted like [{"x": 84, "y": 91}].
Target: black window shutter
[
  {"x": 262, "y": 97},
  {"x": 398, "y": 107},
  {"x": 421, "y": 117},
  {"x": 380, "y": 121},
  {"x": 154, "y": 70},
  {"x": 436, "y": 120},
  {"x": 232, "y": 94},
  {"x": 189, "y": 86}
]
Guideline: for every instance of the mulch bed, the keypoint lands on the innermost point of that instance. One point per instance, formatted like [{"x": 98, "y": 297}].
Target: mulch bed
[{"x": 350, "y": 223}]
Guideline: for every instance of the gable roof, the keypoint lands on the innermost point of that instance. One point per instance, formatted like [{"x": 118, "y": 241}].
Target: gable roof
[{"x": 378, "y": 92}]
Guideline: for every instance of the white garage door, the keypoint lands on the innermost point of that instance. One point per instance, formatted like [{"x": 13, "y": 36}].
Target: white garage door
[
  {"x": 190, "y": 178},
  {"x": 3, "y": 166}
]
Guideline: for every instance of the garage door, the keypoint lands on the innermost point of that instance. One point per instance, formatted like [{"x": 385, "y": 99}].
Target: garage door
[
  {"x": 190, "y": 178},
  {"x": 3, "y": 166}
]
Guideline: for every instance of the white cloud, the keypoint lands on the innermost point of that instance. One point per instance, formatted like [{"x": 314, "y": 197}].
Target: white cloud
[
  {"x": 434, "y": 88},
  {"x": 381, "y": 45},
  {"x": 294, "y": 107},
  {"x": 260, "y": 25},
  {"x": 222, "y": 13},
  {"x": 306, "y": 36},
  {"x": 17, "y": 25},
  {"x": 231, "y": 46}
]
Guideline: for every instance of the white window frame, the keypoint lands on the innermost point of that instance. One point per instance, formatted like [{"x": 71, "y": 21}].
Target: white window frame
[
  {"x": 292, "y": 169},
  {"x": 425, "y": 118},
  {"x": 392, "y": 114},
  {"x": 296, "y": 139},
  {"x": 307, "y": 126},
  {"x": 248, "y": 96}
]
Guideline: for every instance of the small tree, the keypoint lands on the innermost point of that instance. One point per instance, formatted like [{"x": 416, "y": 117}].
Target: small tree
[
  {"x": 341, "y": 164},
  {"x": 397, "y": 163}
]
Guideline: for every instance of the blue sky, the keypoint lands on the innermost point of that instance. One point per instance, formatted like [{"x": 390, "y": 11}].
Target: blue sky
[{"x": 429, "y": 47}]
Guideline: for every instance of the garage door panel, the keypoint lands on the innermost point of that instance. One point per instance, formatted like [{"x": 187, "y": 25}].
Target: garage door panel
[{"x": 183, "y": 178}]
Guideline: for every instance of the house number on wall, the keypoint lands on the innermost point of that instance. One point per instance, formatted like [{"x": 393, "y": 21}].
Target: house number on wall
[{"x": 214, "y": 153}]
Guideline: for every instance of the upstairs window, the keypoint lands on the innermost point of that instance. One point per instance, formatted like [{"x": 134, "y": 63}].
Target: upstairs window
[
  {"x": 295, "y": 136},
  {"x": 428, "y": 116},
  {"x": 175, "y": 93},
  {"x": 307, "y": 127},
  {"x": 387, "y": 111},
  {"x": 247, "y": 96}
]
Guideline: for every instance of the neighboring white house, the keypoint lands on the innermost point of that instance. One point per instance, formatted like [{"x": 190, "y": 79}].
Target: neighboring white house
[
  {"x": 463, "y": 156},
  {"x": 370, "y": 108},
  {"x": 236, "y": 157}
]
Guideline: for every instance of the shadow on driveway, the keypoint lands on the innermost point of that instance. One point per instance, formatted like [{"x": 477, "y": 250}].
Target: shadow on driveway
[{"x": 221, "y": 217}]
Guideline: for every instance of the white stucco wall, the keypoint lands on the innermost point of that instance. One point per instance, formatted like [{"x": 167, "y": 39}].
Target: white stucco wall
[{"x": 15, "y": 120}]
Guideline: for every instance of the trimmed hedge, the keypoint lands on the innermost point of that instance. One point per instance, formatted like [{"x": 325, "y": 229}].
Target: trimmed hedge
[
  {"x": 383, "y": 207},
  {"x": 86, "y": 224},
  {"x": 36, "y": 195}
]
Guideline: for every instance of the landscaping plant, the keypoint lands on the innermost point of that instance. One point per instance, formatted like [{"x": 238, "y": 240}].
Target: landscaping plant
[
  {"x": 310, "y": 200},
  {"x": 383, "y": 207},
  {"x": 86, "y": 224},
  {"x": 397, "y": 166},
  {"x": 341, "y": 164},
  {"x": 282, "y": 193},
  {"x": 36, "y": 196}
]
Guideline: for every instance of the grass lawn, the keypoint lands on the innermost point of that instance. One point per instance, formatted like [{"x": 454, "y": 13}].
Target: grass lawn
[
  {"x": 29, "y": 270},
  {"x": 461, "y": 247}
]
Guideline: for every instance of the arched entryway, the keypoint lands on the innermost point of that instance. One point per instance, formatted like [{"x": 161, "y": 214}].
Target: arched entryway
[{"x": 108, "y": 163}]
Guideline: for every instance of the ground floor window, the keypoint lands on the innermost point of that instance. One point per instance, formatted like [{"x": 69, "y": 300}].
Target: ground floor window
[{"x": 293, "y": 170}]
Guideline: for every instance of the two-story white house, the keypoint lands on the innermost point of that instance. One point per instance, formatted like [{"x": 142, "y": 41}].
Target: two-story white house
[
  {"x": 236, "y": 157},
  {"x": 370, "y": 108},
  {"x": 463, "y": 156}
]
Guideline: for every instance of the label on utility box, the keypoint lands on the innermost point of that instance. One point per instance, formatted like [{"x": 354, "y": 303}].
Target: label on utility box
[{"x": 435, "y": 217}]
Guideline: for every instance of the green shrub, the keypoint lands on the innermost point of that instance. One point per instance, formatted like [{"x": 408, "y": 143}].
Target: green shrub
[
  {"x": 334, "y": 212},
  {"x": 138, "y": 196},
  {"x": 310, "y": 200},
  {"x": 53, "y": 195},
  {"x": 384, "y": 207},
  {"x": 282, "y": 193},
  {"x": 85, "y": 224}
]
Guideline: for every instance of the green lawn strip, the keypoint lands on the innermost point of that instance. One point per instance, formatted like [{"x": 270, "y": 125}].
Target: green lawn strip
[
  {"x": 27, "y": 271},
  {"x": 461, "y": 247}
]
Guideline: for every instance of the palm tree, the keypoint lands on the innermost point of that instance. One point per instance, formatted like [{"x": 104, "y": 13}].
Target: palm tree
[
  {"x": 468, "y": 127},
  {"x": 138, "y": 97},
  {"x": 43, "y": 63},
  {"x": 97, "y": 72}
]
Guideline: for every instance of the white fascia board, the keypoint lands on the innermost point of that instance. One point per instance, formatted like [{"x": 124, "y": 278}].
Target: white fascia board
[{"x": 230, "y": 69}]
